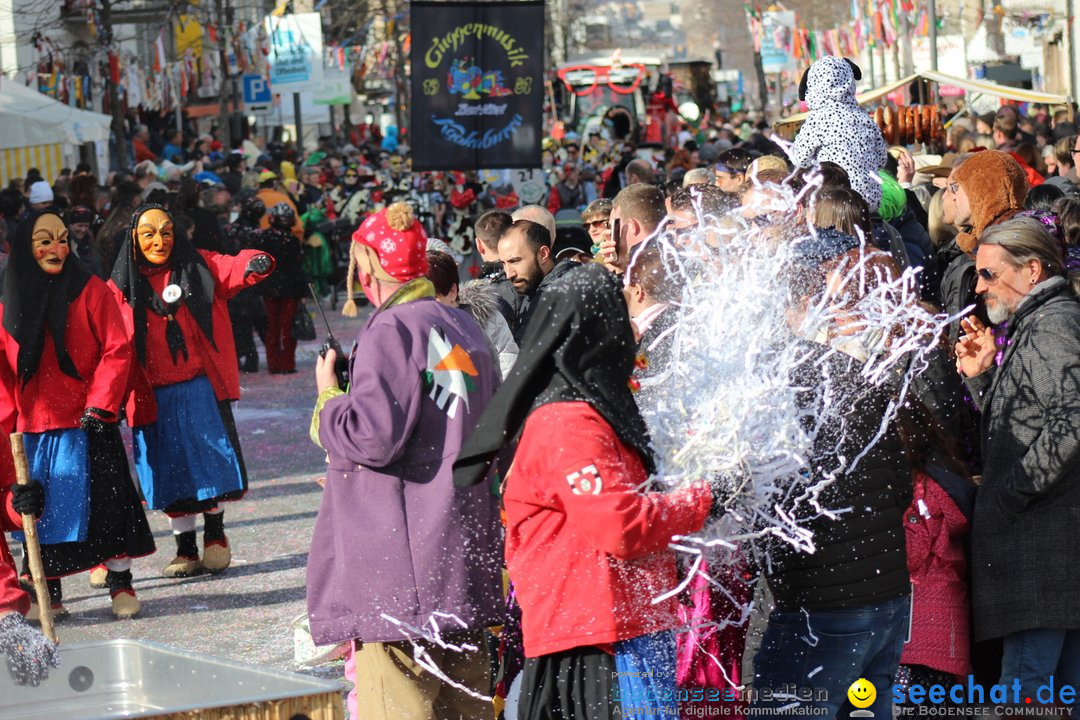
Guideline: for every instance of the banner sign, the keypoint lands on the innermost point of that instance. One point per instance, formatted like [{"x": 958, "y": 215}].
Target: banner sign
[
  {"x": 296, "y": 51},
  {"x": 777, "y": 27},
  {"x": 477, "y": 84}
]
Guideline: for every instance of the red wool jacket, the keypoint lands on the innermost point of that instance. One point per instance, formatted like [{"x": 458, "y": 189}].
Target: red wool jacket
[
  {"x": 219, "y": 366},
  {"x": 935, "y": 529},
  {"x": 586, "y": 550},
  {"x": 11, "y": 595},
  {"x": 99, "y": 348}
]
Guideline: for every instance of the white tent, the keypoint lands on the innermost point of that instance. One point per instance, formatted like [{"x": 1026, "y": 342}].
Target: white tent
[
  {"x": 972, "y": 87},
  {"x": 38, "y": 131}
]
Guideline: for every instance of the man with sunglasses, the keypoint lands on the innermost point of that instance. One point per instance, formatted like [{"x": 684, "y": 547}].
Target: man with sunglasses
[
  {"x": 1024, "y": 530},
  {"x": 596, "y": 219}
]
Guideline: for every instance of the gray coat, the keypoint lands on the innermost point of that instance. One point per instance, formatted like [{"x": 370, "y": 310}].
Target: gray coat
[{"x": 1026, "y": 531}]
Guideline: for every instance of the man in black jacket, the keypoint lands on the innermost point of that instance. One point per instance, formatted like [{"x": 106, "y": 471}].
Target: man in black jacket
[
  {"x": 1025, "y": 536},
  {"x": 842, "y": 609},
  {"x": 525, "y": 252}
]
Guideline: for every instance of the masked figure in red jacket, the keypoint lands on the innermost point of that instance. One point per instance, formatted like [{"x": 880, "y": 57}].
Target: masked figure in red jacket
[
  {"x": 65, "y": 361},
  {"x": 174, "y": 301}
]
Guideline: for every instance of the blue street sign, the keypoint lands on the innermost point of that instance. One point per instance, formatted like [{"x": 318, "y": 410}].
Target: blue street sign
[{"x": 257, "y": 90}]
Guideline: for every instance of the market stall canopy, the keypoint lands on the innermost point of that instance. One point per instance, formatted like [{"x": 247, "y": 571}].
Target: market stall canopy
[
  {"x": 977, "y": 87},
  {"x": 30, "y": 118}
]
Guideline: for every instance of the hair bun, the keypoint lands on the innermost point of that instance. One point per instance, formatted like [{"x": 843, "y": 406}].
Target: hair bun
[{"x": 399, "y": 216}]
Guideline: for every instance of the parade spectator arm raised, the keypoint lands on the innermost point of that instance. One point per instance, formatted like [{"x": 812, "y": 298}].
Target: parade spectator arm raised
[
  {"x": 636, "y": 212},
  {"x": 1024, "y": 527}
]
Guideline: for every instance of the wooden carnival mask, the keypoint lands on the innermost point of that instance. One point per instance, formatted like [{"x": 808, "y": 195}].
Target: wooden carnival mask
[
  {"x": 49, "y": 243},
  {"x": 155, "y": 235}
]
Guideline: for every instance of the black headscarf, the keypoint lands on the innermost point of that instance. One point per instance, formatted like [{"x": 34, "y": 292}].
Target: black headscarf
[
  {"x": 187, "y": 269},
  {"x": 35, "y": 301},
  {"x": 579, "y": 346}
]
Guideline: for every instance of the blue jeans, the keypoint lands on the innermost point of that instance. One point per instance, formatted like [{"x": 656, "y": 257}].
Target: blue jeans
[
  {"x": 1034, "y": 656},
  {"x": 816, "y": 656}
]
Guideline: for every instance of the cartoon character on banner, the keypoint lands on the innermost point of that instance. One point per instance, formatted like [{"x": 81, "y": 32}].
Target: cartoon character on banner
[{"x": 462, "y": 205}]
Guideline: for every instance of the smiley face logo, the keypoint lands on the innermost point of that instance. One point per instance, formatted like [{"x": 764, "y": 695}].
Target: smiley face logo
[{"x": 862, "y": 693}]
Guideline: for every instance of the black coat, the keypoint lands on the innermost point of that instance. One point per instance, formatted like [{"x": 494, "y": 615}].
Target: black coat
[
  {"x": 1026, "y": 533},
  {"x": 288, "y": 279},
  {"x": 860, "y": 557},
  {"x": 529, "y": 302}
]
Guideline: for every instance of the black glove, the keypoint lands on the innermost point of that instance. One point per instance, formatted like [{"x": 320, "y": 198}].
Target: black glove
[
  {"x": 28, "y": 499},
  {"x": 96, "y": 420},
  {"x": 259, "y": 265},
  {"x": 29, "y": 653}
]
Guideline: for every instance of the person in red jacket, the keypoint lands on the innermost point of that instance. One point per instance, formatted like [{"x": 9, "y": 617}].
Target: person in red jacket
[
  {"x": 174, "y": 302},
  {"x": 64, "y": 366},
  {"x": 936, "y": 527},
  {"x": 29, "y": 653},
  {"x": 586, "y": 547}
]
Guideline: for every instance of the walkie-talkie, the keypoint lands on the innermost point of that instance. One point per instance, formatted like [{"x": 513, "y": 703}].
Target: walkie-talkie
[{"x": 341, "y": 362}]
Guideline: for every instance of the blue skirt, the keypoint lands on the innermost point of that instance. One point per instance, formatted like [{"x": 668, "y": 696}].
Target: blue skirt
[
  {"x": 60, "y": 461},
  {"x": 646, "y": 672},
  {"x": 186, "y": 454}
]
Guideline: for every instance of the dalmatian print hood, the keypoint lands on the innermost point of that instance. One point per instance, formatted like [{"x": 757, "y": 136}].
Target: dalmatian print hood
[
  {"x": 830, "y": 80},
  {"x": 838, "y": 130}
]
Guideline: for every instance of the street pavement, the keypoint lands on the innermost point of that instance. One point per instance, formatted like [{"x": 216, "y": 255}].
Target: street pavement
[{"x": 246, "y": 613}]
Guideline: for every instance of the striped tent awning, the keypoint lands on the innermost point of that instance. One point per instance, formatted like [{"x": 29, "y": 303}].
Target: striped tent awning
[{"x": 14, "y": 162}]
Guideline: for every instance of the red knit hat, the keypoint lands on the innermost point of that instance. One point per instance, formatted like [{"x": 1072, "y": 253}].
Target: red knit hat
[{"x": 398, "y": 239}]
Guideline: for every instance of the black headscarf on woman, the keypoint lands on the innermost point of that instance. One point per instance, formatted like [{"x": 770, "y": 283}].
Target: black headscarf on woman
[
  {"x": 187, "y": 269},
  {"x": 579, "y": 346},
  {"x": 35, "y": 301}
]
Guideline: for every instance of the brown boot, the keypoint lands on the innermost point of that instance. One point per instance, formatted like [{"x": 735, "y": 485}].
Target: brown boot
[
  {"x": 217, "y": 556},
  {"x": 181, "y": 566},
  {"x": 125, "y": 605},
  {"x": 97, "y": 577}
]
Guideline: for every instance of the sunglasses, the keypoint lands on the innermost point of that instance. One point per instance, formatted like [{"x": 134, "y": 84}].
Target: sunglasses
[
  {"x": 597, "y": 224},
  {"x": 1074, "y": 152},
  {"x": 987, "y": 274},
  {"x": 351, "y": 175}
]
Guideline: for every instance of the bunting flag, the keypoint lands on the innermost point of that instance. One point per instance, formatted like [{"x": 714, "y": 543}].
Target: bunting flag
[{"x": 159, "y": 52}]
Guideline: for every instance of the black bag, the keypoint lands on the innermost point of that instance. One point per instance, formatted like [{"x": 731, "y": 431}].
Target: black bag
[{"x": 303, "y": 325}]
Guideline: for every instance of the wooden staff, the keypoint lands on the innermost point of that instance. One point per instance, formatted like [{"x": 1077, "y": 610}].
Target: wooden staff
[{"x": 33, "y": 547}]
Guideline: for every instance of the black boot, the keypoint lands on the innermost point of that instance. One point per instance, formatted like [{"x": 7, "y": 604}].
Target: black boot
[{"x": 217, "y": 556}]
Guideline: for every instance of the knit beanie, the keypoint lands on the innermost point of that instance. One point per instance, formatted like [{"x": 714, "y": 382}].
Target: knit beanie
[
  {"x": 996, "y": 187},
  {"x": 40, "y": 192},
  {"x": 399, "y": 242}
]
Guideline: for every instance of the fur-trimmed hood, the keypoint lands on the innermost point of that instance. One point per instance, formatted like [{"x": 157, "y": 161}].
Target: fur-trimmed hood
[{"x": 481, "y": 298}]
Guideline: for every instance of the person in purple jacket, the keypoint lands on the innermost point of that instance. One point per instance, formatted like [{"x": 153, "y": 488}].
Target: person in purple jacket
[{"x": 402, "y": 563}]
